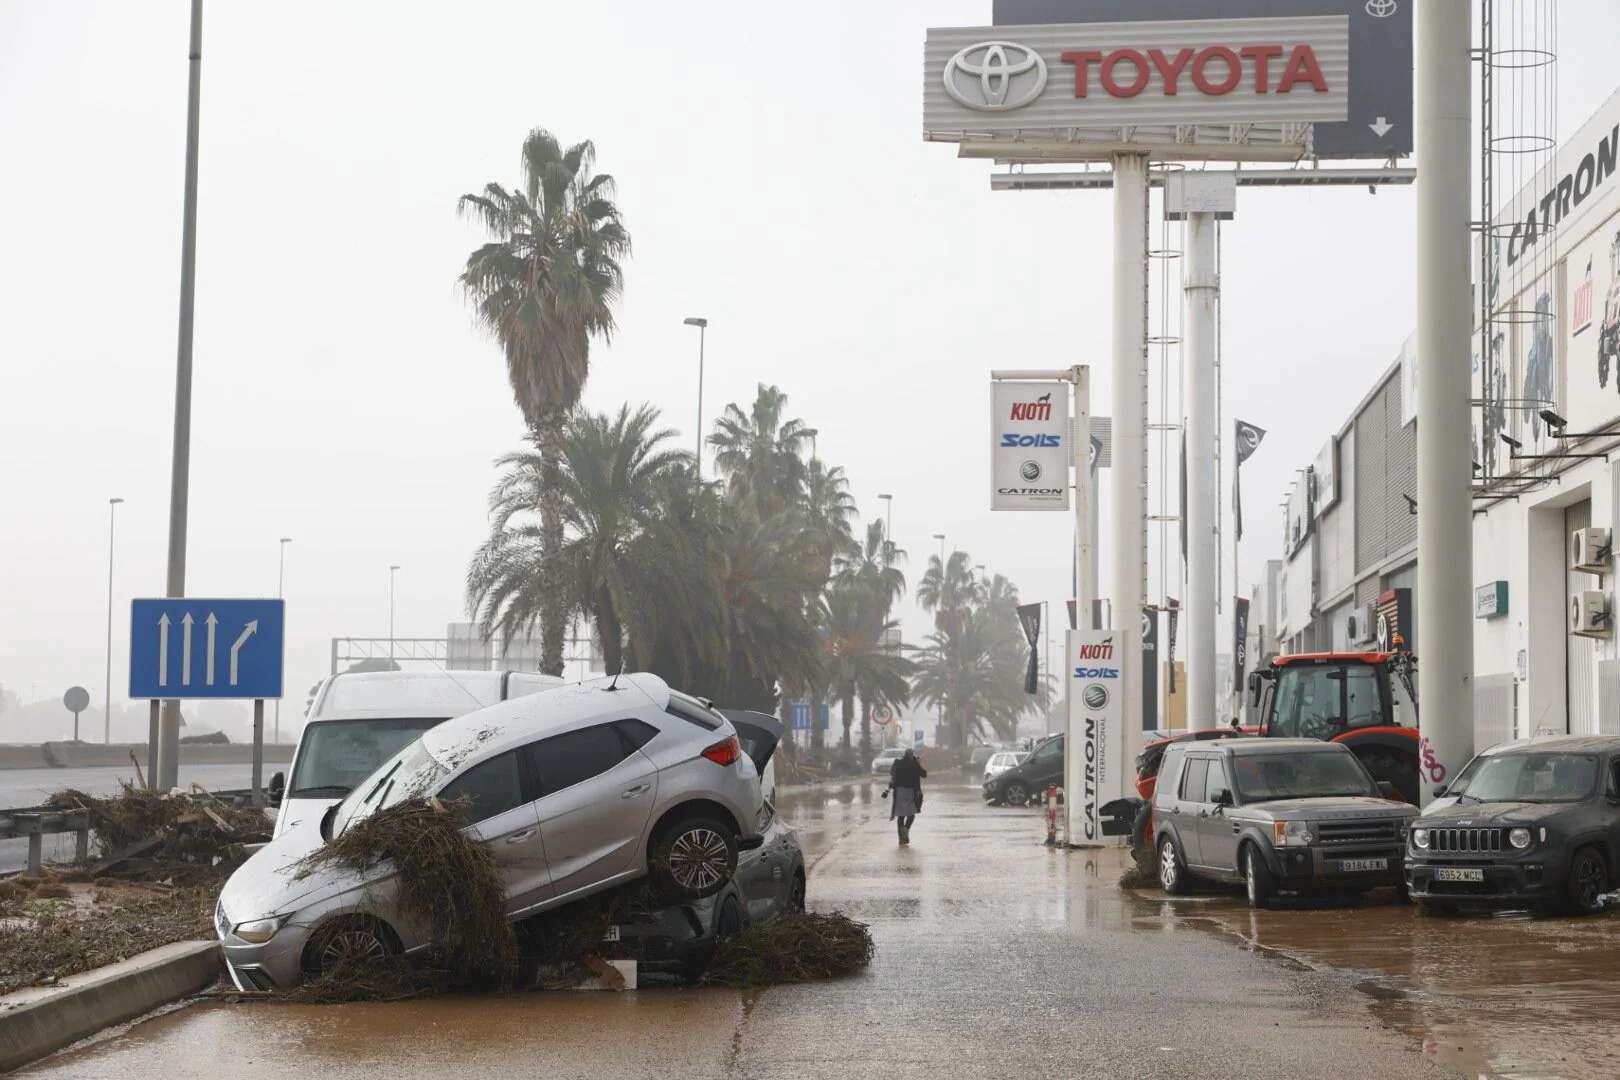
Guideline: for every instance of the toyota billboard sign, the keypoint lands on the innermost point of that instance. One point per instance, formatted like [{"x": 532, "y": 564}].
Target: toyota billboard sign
[
  {"x": 1029, "y": 446},
  {"x": 1271, "y": 78}
]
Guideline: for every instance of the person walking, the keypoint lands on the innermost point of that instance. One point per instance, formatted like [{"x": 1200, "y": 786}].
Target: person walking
[{"x": 905, "y": 787}]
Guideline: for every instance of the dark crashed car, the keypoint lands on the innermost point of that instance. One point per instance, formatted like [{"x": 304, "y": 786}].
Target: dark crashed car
[{"x": 1534, "y": 823}]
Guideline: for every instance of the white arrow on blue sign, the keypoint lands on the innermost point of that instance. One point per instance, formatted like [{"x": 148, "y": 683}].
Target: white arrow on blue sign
[{"x": 236, "y": 652}]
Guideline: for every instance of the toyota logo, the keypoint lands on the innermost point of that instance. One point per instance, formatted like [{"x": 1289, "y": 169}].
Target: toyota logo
[
  {"x": 1030, "y": 471},
  {"x": 982, "y": 76},
  {"x": 1380, "y": 9},
  {"x": 1095, "y": 697}
]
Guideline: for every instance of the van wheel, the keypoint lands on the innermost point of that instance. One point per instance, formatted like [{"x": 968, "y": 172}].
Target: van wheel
[
  {"x": 1172, "y": 871},
  {"x": 693, "y": 858},
  {"x": 1015, "y": 794},
  {"x": 1588, "y": 878},
  {"x": 1257, "y": 879}
]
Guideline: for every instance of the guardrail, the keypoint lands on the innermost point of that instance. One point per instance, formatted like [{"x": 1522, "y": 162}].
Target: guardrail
[{"x": 35, "y": 822}]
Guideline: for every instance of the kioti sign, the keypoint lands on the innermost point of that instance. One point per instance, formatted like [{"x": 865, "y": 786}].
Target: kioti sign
[
  {"x": 1029, "y": 447},
  {"x": 1094, "y": 759}
]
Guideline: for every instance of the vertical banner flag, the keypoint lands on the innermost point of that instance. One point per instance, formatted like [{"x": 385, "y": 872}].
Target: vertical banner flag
[
  {"x": 1029, "y": 455},
  {"x": 1170, "y": 656},
  {"x": 1240, "y": 638},
  {"x": 1182, "y": 518},
  {"x": 1247, "y": 437},
  {"x": 1029, "y": 616},
  {"x": 1150, "y": 669},
  {"x": 1094, "y": 748}
]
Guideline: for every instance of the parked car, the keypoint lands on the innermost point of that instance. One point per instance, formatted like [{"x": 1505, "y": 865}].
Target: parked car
[
  {"x": 1000, "y": 762},
  {"x": 578, "y": 788},
  {"x": 680, "y": 938},
  {"x": 1277, "y": 815},
  {"x": 977, "y": 758},
  {"x": 358, "y": 720},
  {"x": 886, "y": 758},
  {"x": 1023, "y": 781},
  {"x": 1529, "y": 823}
]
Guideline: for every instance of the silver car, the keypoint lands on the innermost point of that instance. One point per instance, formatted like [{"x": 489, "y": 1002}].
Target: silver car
[{"x": 578, "y": 788}]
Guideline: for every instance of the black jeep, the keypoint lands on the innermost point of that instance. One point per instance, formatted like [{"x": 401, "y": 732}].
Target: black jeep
[{"x": 1534, "y": 823}]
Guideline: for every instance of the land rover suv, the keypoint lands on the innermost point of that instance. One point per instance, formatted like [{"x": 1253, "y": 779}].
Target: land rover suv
[
  {"x": 1534, "y": 823},
  {"x": 1278, "y": 815}
]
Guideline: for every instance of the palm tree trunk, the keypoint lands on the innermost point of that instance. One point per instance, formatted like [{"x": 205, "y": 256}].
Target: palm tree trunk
[
  {"x": 849, "y": 716},
  {"x": 866, "y": 730},
  {"x": 548, "y": 436},
  {"x": 818, "y": 738},
  {"x": 610, "y": 631}
]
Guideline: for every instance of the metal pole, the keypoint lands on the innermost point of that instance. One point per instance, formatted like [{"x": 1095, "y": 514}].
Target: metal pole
[
  {"x": 168, "y": 758},
  {"x": 1444, "y": 471},
  {"x": 392, "y": 570},
  {"x": 152, "y": 747},
  {"x": 106, "y": 707},
  {"x": 1130, "y": 435},
  {"x": 703, "y": 332},
  {"x": 1086, "y": 568},
  {"x": 258, "y": 751},
  {"x": 1201, "y": 291},
  {"x": 281, "y": 584}
]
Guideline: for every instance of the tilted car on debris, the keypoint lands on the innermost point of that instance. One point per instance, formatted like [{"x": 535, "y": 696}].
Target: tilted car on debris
[
  {"x": 1276, "y": 814},
  {"x": 577, "y": 788},
  {"x": 1528, "y": 823}
]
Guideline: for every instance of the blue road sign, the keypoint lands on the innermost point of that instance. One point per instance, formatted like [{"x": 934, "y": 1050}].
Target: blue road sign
[
  {"x": 188, "y": 648},
  {"x": 799, "y": 711}
]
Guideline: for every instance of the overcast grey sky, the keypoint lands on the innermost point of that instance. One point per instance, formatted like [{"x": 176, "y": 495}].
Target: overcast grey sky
[{"x": 772, "y": 174}]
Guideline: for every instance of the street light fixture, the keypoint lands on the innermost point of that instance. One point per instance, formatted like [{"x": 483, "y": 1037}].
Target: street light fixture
[
  {"x": 106, "y": 705},
  {"x": 941, "y": 538},
  {"x": 281, "y": 582},
  {"x": 703, "y": 328}
]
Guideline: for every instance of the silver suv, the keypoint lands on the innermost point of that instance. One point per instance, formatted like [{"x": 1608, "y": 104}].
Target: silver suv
[
  {"x": 577, "y": 788},
  {"x": 1277, "y": 815}
]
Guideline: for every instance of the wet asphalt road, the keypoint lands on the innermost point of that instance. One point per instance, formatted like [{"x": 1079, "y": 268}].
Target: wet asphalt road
[{"x": 996, "y": 958}]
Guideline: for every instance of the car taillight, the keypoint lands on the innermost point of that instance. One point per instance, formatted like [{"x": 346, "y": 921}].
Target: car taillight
[{"x": 724, "y": 752}]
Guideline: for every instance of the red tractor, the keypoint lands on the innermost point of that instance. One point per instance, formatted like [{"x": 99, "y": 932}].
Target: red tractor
[{"x": 1366, "y": 700}]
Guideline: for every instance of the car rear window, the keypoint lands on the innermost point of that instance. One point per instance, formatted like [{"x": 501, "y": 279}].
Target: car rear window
[
  {"x": 575, "y": 756},
  {"x": 1192, "y": 781}
]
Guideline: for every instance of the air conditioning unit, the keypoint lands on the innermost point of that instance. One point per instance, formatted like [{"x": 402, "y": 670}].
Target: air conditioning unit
[
  {"x": 1362, "y": 625},
  {"x": 1589, "y": 614},
  {"x": 1589, "y": 551}
]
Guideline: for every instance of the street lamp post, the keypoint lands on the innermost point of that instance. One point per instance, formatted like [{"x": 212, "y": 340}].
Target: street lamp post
[
  {"x": 106, "y": 708},
  {"x": 281, "y": 583},
  {"x": 703, "y": 328},
  {"x": 392, "y": 570},
  {"x": 941, "y": 538},
  {"x": 888, "y": 527}
]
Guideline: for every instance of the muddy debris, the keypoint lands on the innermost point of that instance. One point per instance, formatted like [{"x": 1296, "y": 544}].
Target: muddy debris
[
  {"x": 795, "y": 948},
  {"x": 51, "y": 929},
  {"x": 196, "y": 837}
]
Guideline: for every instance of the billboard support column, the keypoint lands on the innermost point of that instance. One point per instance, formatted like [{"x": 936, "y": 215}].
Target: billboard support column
[
  {"x": 1202, "y": 294},
  {"x": 1444, "y": 469},
  {"x": 1130, "y": 378},
  {"x": 1085, "y": 494}
]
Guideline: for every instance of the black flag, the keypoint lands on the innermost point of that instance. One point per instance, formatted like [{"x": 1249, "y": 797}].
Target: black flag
[
  {"x": 1240, "y": 634},
  {"x": 1029, "y": 617},
  {"x": 1170, "y": 658},
  {"x": 1247, "y": 438}
]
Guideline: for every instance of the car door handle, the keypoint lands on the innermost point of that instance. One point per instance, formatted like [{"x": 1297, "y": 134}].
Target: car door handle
[
  {"x": 639, "y": 789},
  {"x": 1235, "y": 827},
  {"x": 519, "y": 837}
]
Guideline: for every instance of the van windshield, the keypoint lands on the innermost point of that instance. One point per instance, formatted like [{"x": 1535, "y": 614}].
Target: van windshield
[
  {"x": 337, "y": 754},
  {"x": 411, "y": 773}
]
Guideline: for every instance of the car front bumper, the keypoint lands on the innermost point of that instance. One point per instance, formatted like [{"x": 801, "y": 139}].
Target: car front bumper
[
  {"x": 275, "y": 965},
  {"x": 1305, "y": 868},
  {"x": 1535, "y": 876}
]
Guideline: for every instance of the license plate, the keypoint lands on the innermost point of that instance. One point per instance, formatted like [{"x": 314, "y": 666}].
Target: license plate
[
  {"x": 1353, "y": 865},
  {"x": 1458, "y": 873}
]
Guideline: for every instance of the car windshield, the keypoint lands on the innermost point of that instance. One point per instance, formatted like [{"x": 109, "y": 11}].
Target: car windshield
[
  {"x": 1533, "y": 778},
  {"x": 338, "y": 754},
  {"x": 410, "y": 773},
  {"x": 1306, "y": 775}
]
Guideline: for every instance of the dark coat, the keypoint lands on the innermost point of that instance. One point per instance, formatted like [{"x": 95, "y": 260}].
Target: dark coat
[{"x": 907, "y": 772}]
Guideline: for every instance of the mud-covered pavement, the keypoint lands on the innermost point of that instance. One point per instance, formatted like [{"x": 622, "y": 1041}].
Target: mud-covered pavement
[{"x": 996, "y": 958}]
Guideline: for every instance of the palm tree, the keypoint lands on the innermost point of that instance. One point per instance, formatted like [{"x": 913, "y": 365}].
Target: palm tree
[
  {"x": 868, "y": 566},
  {"x": 828, "y": 506},
  {"x": 948, "y": 589},
  {"x": 544, "y": 287},
  {"x": 861, "y": 660},
  {"x": 761, "y": 453}
]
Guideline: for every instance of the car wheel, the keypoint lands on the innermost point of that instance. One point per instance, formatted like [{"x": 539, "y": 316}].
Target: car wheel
[
  {"x": 1588, "y": 879},
  {"x": 348, "y": 942},
  {"x": 1172, "y": 872},
  {"x": 796, "y": 895},
  {"x": 1256, "y": 877},
  {"x": 694, "y": 858},
  {"x": 1015, "y": 794}
]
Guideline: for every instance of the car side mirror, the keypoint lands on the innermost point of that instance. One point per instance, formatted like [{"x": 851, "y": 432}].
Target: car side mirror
[
  {"x": 278, "y": 787},
  {"x": 1387, "y": 790},
  {"x": 1254, "y": 687},
  {"x": 1223, "y": 798},
  {"x": 1439, "y": 791}
]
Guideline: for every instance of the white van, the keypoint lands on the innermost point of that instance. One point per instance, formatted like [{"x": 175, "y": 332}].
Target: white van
[{"x": 361, "y": 719}]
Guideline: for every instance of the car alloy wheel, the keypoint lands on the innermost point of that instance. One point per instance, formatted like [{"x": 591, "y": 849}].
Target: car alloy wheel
[
  {"x": 1586, "y": 881},
  {"x": 355, "y": 944},
  {"x": 1249, "y": 883},
  {"x": 1015, "y": 794},
  {"x": 1169, "y": 867},
  {"x": 699, "y": 859}
]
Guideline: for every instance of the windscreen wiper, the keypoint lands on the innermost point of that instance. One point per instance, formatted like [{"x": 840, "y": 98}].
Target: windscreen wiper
[{"x": 324, "y": 791}]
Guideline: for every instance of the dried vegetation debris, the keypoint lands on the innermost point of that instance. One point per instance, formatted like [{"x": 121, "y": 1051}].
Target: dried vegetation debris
[
  {"x": 195, "y": 830},
  {"x": 798, "y": 947}
]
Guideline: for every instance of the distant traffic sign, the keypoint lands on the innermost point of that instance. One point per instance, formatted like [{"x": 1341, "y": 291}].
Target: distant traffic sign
[{"x": 187, "y": 648}]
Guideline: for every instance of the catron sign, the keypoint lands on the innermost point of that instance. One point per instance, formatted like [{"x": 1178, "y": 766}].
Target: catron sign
[
  {"x": 1076, "y": 75},
  {"x": 1094, "y": 775},
  {"x": 1029, "y": 446}
]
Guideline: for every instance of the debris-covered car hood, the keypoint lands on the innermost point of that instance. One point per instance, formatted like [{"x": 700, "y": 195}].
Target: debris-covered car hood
[
  {"x": 269, "y": 883},
  {"x": 1328, "y": 808}
]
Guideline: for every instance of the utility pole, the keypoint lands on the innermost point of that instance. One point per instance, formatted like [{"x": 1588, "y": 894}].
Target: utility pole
[
  {"x": 888, "y": 527},
  {"x": 106, "y": 709},
  {"x": 392, "y": 571},
  {"x": 167, "y": 765},
  {"x": 1130, "y": 315},
  {"x": 1444, "y": 346},
  {"x": 703, "y": 328}
]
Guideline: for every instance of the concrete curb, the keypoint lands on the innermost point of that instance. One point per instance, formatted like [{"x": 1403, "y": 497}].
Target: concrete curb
[{"x": 38, "y": 1020}]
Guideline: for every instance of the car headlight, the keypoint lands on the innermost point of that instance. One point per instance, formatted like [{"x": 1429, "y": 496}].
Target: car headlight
[
  {"x": 258, "y": 931},
  {"x": 1291, "y": 833},
  {"x": 1519, "y": 838},
  {"x": 1420, "y": 839}
]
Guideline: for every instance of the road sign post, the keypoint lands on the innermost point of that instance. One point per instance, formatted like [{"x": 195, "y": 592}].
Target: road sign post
[
  {"x": 77, "y": 699},
  {"x": 258, "y": 751}
]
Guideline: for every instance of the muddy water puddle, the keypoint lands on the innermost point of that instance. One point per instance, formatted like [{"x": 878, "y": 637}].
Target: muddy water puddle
[{"x": 1512, "y": 996}]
